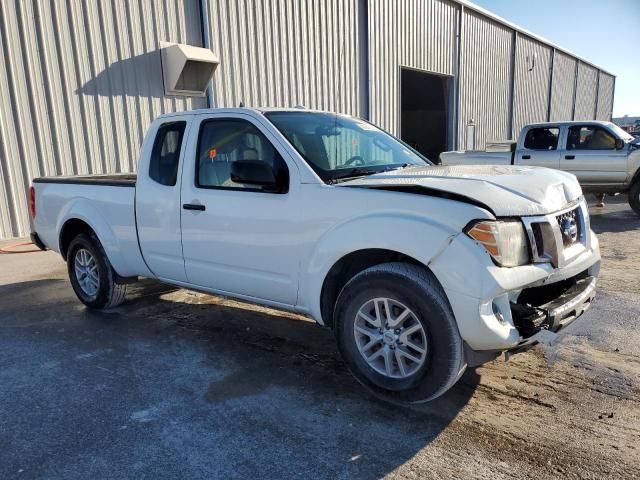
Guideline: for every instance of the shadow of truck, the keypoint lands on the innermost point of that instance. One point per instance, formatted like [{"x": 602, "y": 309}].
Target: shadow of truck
[{"x": 173, "y": 386}]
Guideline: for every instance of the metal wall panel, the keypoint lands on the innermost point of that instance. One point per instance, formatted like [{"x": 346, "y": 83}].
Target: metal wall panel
[
  {"x": 285, "y": 53},
  {"x": 605, "y": 97},
  {"x": 532, "y": 81},
  {"x": 81, "y": 81},
  {"x": 485, "y": 79},
  {"x": 563, "y": 87},
  {"x": 586, "y": 92},
  {"x": 419, "y": 34},
  {"x": 79, "y": 84}
]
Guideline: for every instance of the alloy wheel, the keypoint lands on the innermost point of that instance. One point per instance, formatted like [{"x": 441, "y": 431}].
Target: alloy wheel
[
  {"x": 86, "y": 270},
  {"x": 390, "y": 338}
]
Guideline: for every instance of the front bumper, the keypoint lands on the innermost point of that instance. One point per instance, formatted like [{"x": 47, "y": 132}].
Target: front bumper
[
  {"x": 482, "y": 297},
  {"x": 540, "y": 323},
  {"x": 555, "y": 314}
]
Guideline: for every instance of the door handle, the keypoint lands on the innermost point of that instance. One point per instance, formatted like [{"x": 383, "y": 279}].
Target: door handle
[
  {"x": 570, "y": 157},
  {"x": 526, "y": 157},
  {"x": 194, "y": 206}
]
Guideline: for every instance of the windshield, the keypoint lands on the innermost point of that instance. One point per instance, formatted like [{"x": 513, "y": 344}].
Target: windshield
[
  {"x": 620, "y": 132},
  {"x": 337, "y": 146}
]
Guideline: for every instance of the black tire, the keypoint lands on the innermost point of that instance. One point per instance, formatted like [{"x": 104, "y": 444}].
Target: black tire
[
  {"x": 634, "y": 196},
  {"x": 416, "y": 288},
  {"x": 109, "y": 293}
]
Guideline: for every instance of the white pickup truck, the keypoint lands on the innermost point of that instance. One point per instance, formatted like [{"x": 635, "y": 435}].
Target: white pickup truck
[
  {"x": 420, "y": 270},
  {"x": 603, "y": 157}
]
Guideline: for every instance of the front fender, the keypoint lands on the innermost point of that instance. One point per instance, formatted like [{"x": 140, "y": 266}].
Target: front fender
[{"x": 416, "y": 237}]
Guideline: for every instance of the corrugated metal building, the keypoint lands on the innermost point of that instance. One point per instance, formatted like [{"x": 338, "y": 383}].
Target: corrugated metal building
[{"x": 80, "y": 81}]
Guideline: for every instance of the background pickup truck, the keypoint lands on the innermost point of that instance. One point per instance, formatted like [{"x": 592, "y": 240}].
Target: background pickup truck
[
  {"x": 420, "y": 270},
  {"x": 603, "y": 157}
]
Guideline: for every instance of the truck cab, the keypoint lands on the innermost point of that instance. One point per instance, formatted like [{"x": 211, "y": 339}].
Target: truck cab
[{"x": 597, "y": 153}]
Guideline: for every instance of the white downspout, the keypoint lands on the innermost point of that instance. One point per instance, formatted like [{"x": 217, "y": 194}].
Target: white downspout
[{"x": 206, "y": 41}]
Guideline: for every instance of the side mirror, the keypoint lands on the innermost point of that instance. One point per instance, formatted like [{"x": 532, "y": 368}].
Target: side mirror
[
  {"x": 619, "y": 144},
  {"x": 254, "y": 172}
]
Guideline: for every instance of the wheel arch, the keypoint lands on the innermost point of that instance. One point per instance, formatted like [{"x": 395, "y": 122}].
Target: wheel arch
[
  {"x": 348, "y": 267},
  {"x": 635, "y": 178},
  {"x": 80, "y": 216},
  {"x": 70, "y": 230},
  {"x": 383, "y": 237}
]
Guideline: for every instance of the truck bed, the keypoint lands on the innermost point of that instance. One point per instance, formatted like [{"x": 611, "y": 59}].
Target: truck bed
[
  {"x": 98, "y": 200},
  {"x": 111, "y": 180}
]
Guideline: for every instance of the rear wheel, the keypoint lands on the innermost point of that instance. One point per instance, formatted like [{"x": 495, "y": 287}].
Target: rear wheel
[
  {"x": 397, "y": 333},
  {"x": 93, "y": 279},
  {"x": 634, "y": 196}
]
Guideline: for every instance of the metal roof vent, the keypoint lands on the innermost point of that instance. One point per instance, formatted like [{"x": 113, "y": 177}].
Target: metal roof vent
[{"x": 186, "y": 69}]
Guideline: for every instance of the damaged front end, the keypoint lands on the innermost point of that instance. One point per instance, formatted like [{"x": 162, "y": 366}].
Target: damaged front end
[{"x": 541, "y": 310}]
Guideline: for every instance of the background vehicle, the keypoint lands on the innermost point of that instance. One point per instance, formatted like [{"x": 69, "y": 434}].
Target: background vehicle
[
  {"x": 420, "y": 270},
  {"x": 603, "y": 157}
]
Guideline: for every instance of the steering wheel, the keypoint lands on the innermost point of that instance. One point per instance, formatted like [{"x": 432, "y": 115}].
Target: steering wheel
[{"x": 355, "y": 160}]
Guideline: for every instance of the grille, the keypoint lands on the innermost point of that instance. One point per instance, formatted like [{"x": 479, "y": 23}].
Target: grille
[
  {"x": 537, "y": 235},
  {"x": 565, "y": 221}
]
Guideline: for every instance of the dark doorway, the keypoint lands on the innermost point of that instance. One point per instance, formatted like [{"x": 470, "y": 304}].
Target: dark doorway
[{"x": 424, "y": 105}]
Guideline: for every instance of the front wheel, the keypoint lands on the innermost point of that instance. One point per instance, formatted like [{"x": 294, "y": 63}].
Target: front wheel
[
  {"x": 634, "y": 196},
  {"x": 397, "y": 334},
  {"x": 92, "y": 277}
]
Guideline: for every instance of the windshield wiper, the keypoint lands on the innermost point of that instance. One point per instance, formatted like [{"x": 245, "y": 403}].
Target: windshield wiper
[
  {"x": 362, "y": 171},
  {"x": 396, "y": 167},
  {"x": 352, "y": 173}
]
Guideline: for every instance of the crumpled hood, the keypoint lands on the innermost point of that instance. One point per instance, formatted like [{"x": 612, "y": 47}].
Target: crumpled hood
[{"x": 507, "y": 190}]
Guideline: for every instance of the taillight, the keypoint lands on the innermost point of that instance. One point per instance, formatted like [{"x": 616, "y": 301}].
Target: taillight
[{"x": 32, "y": 202}]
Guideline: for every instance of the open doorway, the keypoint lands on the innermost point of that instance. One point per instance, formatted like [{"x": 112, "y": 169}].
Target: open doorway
[{"x": 424, "y": 111}]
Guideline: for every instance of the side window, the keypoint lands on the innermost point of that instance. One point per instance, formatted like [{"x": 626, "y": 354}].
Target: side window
[
  {"x": 590, "y": 137},
  {"x": 222, "y": 142},
  {"x": 542, "y": 139},
  {"x": 165, "y": 155}
]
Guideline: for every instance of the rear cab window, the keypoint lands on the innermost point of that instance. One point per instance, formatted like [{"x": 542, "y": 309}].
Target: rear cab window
[
  {"x": 542, "y": 138},
  {"x": 165, "y": 155}
]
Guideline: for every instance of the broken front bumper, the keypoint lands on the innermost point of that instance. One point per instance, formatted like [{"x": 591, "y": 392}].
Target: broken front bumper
[
  {"x": 482, "y": 294},
  {"x": 536, "y": 320}
]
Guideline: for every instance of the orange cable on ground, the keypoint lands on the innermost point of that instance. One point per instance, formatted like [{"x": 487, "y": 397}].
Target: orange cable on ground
[{"x": 8, "y": 248}]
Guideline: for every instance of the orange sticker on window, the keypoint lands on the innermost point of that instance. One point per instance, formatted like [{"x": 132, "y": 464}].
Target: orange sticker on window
[
  {"x": 212, "y": 153},
  {"x": 354, "y": 142}
]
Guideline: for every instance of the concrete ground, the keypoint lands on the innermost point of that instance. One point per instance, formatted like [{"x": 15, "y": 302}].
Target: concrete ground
[{"x": 175, "y": 384}]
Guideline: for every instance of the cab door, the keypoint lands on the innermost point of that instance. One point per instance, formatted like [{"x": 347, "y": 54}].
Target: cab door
[
  {"x": 540, "y": 147},
  {"x": 590, "y": 154},
  {"x": 236, "y": 238},
  {"x": 158, "y": 205}
]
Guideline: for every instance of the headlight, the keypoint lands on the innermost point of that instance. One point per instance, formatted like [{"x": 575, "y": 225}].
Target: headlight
[{"x": 506, "y": 242}]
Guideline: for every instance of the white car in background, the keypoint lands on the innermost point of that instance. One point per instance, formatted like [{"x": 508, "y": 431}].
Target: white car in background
[{"x": 419, "y": 270}]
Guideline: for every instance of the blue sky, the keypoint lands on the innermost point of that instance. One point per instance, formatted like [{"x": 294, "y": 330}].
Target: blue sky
[{"x": 607, "y": 33}]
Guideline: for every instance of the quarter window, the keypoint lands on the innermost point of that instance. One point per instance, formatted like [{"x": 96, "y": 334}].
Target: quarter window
[
  {"x": 590, "y": 137},
  {"x": 165, "y": 155},
  {"x": 222, "y": 142},
  {"x": 542, "y": 139}
]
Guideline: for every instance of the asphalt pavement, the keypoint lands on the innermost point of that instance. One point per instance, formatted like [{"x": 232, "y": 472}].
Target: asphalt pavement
[{"x": 175, "y": 384}]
